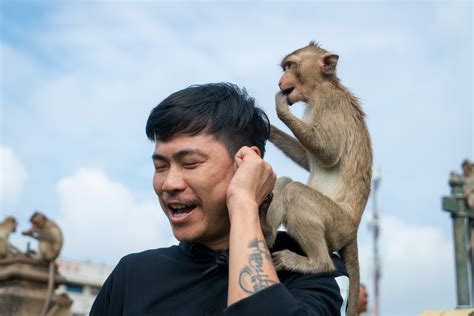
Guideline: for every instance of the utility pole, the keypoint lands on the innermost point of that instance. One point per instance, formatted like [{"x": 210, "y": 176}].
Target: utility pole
[{"x": 375, "y": 227}]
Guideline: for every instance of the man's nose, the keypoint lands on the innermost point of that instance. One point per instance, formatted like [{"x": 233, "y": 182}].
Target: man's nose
[{"x": 173, "y": 181}]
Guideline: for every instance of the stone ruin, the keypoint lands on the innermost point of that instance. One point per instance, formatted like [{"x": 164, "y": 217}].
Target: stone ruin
[{"x": 24, "y": 282}]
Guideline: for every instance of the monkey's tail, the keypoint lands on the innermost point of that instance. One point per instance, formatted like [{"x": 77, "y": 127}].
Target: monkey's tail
[
  {"x": 351, "y": 258},
  {"x": 50, "y": 289}
]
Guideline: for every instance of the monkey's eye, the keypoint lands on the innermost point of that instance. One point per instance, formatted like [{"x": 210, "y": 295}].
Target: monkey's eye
[{"x": 287, "y": 65}]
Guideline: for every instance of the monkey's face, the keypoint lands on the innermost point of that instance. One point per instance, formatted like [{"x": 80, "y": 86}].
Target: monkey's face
[
  {"x": 290, "y": 82},
  {"x": 191, "y": 177},
  {"x": 11, "y": 223},
  {"x": 305, "y": 70},
  {"x": 468, "y": 168},
  {"x": 37, "y": 222}
]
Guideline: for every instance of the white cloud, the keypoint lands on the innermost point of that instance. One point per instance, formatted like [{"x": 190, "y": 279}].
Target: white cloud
[
  {"x": 102, "y": 221},
  {"x": 417, "y": 265},
  {"x": 12, "y": 179}
]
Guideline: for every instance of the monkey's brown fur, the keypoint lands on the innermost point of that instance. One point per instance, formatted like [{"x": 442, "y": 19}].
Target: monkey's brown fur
[
  {"x": 468, "y": 187},
  {"x": 7, "y": 227},
  {"x": 50, "y": 238},
  {"x": 333, "y": 144},
  {"x": 48, "y": 234}
]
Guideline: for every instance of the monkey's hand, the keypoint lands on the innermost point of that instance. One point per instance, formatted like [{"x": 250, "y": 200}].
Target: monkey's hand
[
  {"x": 28, "y": 232},
  {"x": 282, "y": 105}
]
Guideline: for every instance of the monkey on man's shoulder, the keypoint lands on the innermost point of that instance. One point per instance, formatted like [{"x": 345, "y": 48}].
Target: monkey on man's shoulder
[{"x": 332, "y": 142}]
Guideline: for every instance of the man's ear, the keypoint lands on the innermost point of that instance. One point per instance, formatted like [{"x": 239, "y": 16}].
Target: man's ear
[{"x": 257, "y": 150}]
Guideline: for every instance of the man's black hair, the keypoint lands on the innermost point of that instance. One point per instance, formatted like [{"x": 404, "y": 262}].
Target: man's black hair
[{"x": 220, "y": 109}]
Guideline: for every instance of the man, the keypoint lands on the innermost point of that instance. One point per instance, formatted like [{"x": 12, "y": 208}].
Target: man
[
  {"x": 363, "y": 299},
  {"x": 210, "y": 179}
]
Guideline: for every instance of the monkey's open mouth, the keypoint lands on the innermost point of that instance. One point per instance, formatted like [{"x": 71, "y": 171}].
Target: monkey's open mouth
[
  {"x": 287, "y": 91},
  {"x": 178, "y": 209}
]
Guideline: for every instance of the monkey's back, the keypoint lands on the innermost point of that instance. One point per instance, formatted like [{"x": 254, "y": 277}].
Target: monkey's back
[{"x": 49, "y": 250}]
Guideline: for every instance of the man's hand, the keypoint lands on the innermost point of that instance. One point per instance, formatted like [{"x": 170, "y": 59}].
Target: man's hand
[
  {"x": 253, "y": 180},
  {"x": 250, "y": 264}
]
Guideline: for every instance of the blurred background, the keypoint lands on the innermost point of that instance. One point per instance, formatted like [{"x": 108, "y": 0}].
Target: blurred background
[{"x": 79, "y": 78}]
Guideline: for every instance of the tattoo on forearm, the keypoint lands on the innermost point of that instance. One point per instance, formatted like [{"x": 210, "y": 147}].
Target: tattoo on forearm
[{"x": 252, "y": 277}]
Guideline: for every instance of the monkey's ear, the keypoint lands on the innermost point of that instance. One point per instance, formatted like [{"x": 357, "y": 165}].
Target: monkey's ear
[{"x": 328, "y": 63}]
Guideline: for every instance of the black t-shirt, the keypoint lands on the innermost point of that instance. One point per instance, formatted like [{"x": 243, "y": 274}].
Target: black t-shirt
[{"x": 192, "y": 280}]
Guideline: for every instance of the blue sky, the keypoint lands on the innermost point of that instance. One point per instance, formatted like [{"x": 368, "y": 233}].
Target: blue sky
[{"x": 78, "y": 80}]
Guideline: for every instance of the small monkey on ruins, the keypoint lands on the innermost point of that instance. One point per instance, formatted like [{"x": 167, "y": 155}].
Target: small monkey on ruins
[
  {"x": 468, "y": 173},
  {"x": 332, "y": 142},
  {"x": 50, "y": 238},
  {"x": 7, "y": 227},
  {"x": 48, "y": 234}
]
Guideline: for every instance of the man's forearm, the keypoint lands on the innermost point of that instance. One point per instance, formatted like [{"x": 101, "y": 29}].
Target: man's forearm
[{"x": 250, "y": 264}]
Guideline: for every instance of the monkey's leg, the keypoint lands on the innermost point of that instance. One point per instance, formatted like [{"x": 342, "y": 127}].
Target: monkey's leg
[
  {"x": 276, "y": 212},
  {"x": 319, "y": 226}
]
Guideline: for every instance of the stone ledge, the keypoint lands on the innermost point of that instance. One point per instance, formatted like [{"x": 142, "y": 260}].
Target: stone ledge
[{"x": 26, "y": 269}]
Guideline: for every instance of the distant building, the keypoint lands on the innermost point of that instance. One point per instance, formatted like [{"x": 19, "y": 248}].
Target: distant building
[{"x": 83, "y": 282}]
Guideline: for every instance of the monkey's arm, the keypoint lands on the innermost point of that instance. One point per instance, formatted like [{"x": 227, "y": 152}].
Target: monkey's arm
[
  {"x": 290, "y": 146},
  {"x": 326, "y": 146},
  {"x": 40, "y": 235}
]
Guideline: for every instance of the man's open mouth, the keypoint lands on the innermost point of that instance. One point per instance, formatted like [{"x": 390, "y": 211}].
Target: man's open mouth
[{"x": 179, "y": 210}]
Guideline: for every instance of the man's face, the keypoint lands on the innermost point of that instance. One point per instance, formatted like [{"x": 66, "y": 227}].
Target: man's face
[{"x": 191, "y": 177}]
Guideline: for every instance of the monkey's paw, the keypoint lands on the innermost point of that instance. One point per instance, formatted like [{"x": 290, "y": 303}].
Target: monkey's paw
[
  {"x": 281, "y": 103},
  {"x": 284, "y": 260}
]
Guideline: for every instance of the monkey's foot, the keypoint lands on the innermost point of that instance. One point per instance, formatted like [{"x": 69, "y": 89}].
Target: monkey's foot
[
  {"x": 285, "y": 260},
  {"x": 291, "y": 261}
]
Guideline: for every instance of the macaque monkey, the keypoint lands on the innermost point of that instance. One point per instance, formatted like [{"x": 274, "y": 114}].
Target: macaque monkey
[
  {"x": 7, "y": 227},
  {"x": 332, "y": 142},
  {"x": 48, "y": 234},
  {"x": 50, "y": 238},
  {"x": 468, "y": 173}
]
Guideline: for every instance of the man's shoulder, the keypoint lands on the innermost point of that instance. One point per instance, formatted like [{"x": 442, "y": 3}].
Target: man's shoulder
[
  {"x": 150, "y": 256},
  {"x": 284, "y": 241}
]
